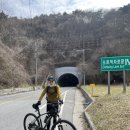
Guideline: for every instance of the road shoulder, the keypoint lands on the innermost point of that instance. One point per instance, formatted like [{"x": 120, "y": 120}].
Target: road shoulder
[{"x": 78, "y": 114}]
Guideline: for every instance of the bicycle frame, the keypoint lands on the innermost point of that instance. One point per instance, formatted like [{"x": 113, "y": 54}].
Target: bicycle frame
[{"x": 49, "y": 118}]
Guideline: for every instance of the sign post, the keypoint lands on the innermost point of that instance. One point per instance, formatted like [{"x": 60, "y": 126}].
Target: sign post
[
  {"x": 109, "y": 83},
  {"x": 124, "y": 82},
  {"x": 117, "y": 63}
]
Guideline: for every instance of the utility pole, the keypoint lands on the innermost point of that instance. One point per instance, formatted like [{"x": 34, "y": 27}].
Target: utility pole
[
  {"x": 83, "y": 64},
  {"x": 36, "y": 63}
]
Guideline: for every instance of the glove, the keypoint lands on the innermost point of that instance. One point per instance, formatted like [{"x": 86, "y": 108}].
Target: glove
[
  {"x": 35, "y": 106},
  {"x": 61, "y": 101},
  {"x": 39, "y": 103}
]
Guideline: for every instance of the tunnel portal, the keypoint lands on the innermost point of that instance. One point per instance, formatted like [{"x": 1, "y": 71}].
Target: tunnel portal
[
  {"x": 68, "y": 80},
  {"x": 68, "y": 76}
]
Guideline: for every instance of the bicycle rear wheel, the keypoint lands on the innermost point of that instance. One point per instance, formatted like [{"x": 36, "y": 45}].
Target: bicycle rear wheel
[
  {"x": 31, "y": 122},
  {"x": 63, "y": 125}
]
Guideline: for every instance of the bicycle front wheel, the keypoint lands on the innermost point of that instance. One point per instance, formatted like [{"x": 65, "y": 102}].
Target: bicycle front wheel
[
  {"x": 31, "y": 122},
  {"x": 63, "y": 125}
]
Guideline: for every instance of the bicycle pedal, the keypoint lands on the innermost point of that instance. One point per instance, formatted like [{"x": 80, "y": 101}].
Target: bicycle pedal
[
  {"x": 38, "y": 128},
  {"x": 32, "y": 125}
]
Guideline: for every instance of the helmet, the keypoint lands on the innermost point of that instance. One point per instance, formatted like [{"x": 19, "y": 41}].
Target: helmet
[{"x": 51, "y": 78}]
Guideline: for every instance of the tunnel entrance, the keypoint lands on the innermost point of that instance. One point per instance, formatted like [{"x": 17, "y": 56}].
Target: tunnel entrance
[{"x": 68, "y": 80}]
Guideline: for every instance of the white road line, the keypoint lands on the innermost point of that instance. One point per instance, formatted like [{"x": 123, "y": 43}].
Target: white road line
[
  {"x": 42, "y": 106},
  {"x": 61, "y": 110}
]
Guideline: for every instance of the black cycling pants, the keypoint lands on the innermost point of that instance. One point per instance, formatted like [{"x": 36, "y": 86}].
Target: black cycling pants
[{"x": 49, "y": 107}]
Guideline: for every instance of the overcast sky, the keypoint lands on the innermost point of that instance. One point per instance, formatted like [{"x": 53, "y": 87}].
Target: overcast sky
[{"x": 31, "y": 8}]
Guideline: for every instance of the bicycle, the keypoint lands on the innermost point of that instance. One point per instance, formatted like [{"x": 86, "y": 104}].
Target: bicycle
[{"x": 36, "y": 123}]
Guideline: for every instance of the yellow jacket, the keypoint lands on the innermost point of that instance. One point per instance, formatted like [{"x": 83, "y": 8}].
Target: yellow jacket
[{"x": 53, "y": 93}]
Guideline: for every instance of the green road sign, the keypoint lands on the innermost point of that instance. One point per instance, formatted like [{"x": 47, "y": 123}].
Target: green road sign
[{"x": 117, "y": 63}]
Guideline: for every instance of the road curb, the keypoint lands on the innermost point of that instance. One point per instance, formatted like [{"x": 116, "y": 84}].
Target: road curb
[{"x": 90, "y": 101}]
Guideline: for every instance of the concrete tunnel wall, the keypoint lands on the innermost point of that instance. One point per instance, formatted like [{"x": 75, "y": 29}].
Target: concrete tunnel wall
[{"x": 68, "y": 76}]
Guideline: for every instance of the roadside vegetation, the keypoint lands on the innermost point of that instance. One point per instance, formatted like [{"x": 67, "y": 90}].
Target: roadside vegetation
[{"x": 110, "y": 112}]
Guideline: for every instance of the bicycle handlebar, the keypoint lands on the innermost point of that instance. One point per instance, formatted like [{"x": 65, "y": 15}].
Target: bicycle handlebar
[{"x": 36, "y": 106}]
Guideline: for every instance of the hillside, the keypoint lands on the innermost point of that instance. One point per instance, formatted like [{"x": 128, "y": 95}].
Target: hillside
[{"x": 59, "y": 38}]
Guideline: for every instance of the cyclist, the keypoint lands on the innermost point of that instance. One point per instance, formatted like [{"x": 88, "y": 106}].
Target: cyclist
[{"x": 53, "y": 95}]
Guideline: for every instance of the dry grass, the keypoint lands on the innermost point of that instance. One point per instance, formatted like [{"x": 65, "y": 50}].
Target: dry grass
[
  {"x": 110, "y": 112},
  {"x": 12, "y": 73}
]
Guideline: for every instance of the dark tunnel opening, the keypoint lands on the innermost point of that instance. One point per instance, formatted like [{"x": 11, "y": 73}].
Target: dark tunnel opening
[{"x": 67, "y": 80}]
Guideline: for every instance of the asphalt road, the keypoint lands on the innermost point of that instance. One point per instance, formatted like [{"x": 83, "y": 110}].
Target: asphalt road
[{"x": 14, "y": 107}]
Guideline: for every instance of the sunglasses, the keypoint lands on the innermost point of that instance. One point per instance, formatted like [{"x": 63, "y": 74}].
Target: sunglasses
[{"x": 51, "y": 80}]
